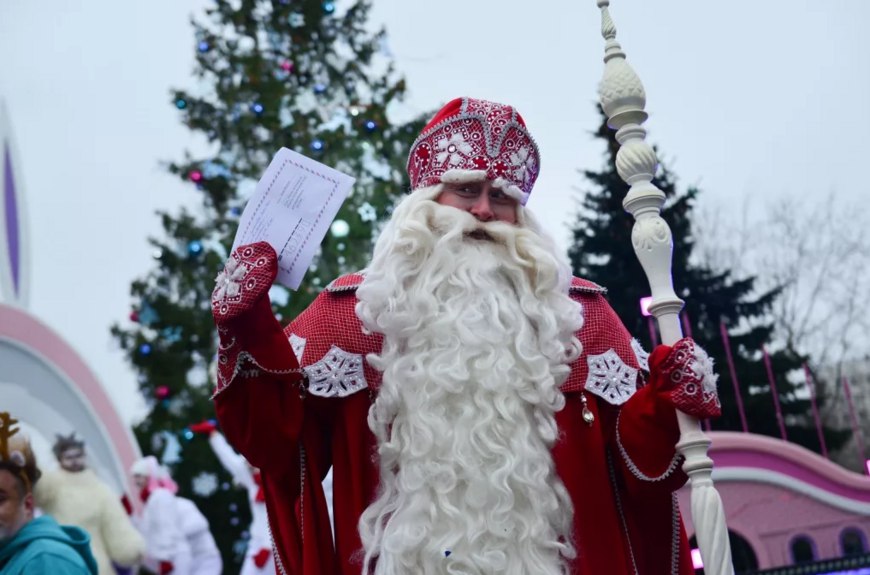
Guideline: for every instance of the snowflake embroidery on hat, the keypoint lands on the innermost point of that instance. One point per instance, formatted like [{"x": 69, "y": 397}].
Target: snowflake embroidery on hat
[
  {"x": 610, "y": 378},
  {"x": 640, "y": 354},
  {"x": 298, "y": 345},
  {"x": 229, "y": 281},
  {"x": 487, "y": 108},
  {"x": 524, "y": 162},
  {"x": 338, "y": 373},
  {"x": 454, "y": 149},
  {"x": 474, "y": 135}
]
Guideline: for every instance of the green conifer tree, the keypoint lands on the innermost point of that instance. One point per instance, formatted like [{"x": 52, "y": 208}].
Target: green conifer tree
[{"x": 308, "y": 75}]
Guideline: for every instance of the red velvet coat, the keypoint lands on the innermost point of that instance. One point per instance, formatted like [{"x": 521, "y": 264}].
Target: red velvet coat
[{"x": 621, "y": 470}]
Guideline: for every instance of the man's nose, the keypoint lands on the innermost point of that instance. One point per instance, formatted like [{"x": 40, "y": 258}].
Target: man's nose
[{"x": 481, "y": 209}]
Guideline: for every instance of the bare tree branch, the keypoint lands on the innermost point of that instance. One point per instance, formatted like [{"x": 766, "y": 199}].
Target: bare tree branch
[{"x": 817, "y": 252}]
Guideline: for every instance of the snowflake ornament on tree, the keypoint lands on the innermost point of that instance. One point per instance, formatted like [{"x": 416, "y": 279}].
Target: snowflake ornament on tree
[
  {"x": 204, "y": 484},
  {"x": 367, "y": 212}
]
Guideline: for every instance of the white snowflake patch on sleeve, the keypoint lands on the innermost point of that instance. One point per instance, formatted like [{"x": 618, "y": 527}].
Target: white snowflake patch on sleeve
[
  {"x": 337, "y": 374},
  {"x": 640, "y": 354},
  {"x": 610, "y": 378}
]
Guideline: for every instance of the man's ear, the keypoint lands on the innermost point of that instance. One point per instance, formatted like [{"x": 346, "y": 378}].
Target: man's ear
[{"x": 28, "y": 502}]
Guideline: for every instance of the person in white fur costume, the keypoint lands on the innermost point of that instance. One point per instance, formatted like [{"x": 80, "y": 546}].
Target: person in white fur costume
[
  {"x": 74, "y": 495},
  {"x": 258, "y": 558},
  {"x": 177, "y": 536}
]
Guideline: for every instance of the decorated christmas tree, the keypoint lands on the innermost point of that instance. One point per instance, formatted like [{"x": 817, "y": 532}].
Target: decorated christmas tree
[
  {"x": 308, "y": 75},
  {"x": 602, "y": 252}
]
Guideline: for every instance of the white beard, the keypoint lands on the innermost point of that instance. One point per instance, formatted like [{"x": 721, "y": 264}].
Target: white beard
[{"x": 478, "y": 335}]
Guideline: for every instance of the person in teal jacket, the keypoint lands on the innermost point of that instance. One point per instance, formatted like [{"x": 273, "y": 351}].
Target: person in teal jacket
[
  {"x": 42, "y": 547},
  {"x": 28, "y": 545}
]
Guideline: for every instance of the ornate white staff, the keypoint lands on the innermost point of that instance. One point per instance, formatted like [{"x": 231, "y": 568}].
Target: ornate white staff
[{"x": 623, "y": 98}]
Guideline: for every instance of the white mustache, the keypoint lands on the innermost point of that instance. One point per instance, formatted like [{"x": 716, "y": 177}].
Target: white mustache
[{"x": 452, "y": 222}]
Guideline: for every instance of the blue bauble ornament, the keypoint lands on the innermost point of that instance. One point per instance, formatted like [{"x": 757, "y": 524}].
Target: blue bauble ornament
[
  {"x": 194, "y": 248},
  {"x": 147, "y": 314}
]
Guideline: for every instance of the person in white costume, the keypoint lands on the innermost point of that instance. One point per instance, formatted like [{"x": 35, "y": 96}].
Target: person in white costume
[
  {"x": 177, "y": 536},
  {"x": 258, "y": 559},
  {"x": 74, "y": 495}
]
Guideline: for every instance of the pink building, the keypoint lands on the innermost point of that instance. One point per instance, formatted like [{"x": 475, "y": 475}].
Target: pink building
[{"x": 786, "y": 505}]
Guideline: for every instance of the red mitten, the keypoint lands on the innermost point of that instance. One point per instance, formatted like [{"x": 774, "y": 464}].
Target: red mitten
[
  {"x": 246, "y": 277},
  {"x": 205, "y": 427},
  {"x": 262, "y": 557},
  {"x": 166, "y": 567},
  {"x": 128, "y": 507},
  {"x": 683, "y": 376},
  {"x": 249, "y": 333}
]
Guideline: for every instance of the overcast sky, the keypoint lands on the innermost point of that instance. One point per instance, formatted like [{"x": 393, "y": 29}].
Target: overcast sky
[{"x": 746, "y": 99}]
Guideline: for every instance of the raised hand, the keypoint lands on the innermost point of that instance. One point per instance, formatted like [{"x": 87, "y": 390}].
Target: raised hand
[
  {"x": 246, "y": 277},
  {"x": 683, "y": 376}
]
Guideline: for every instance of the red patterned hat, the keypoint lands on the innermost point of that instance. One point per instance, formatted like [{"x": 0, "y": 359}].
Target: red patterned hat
[{"x": 472, "y": 140}]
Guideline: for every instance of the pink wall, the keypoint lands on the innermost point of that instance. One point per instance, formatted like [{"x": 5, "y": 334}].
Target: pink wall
[{"x": 773, "y": 491}]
